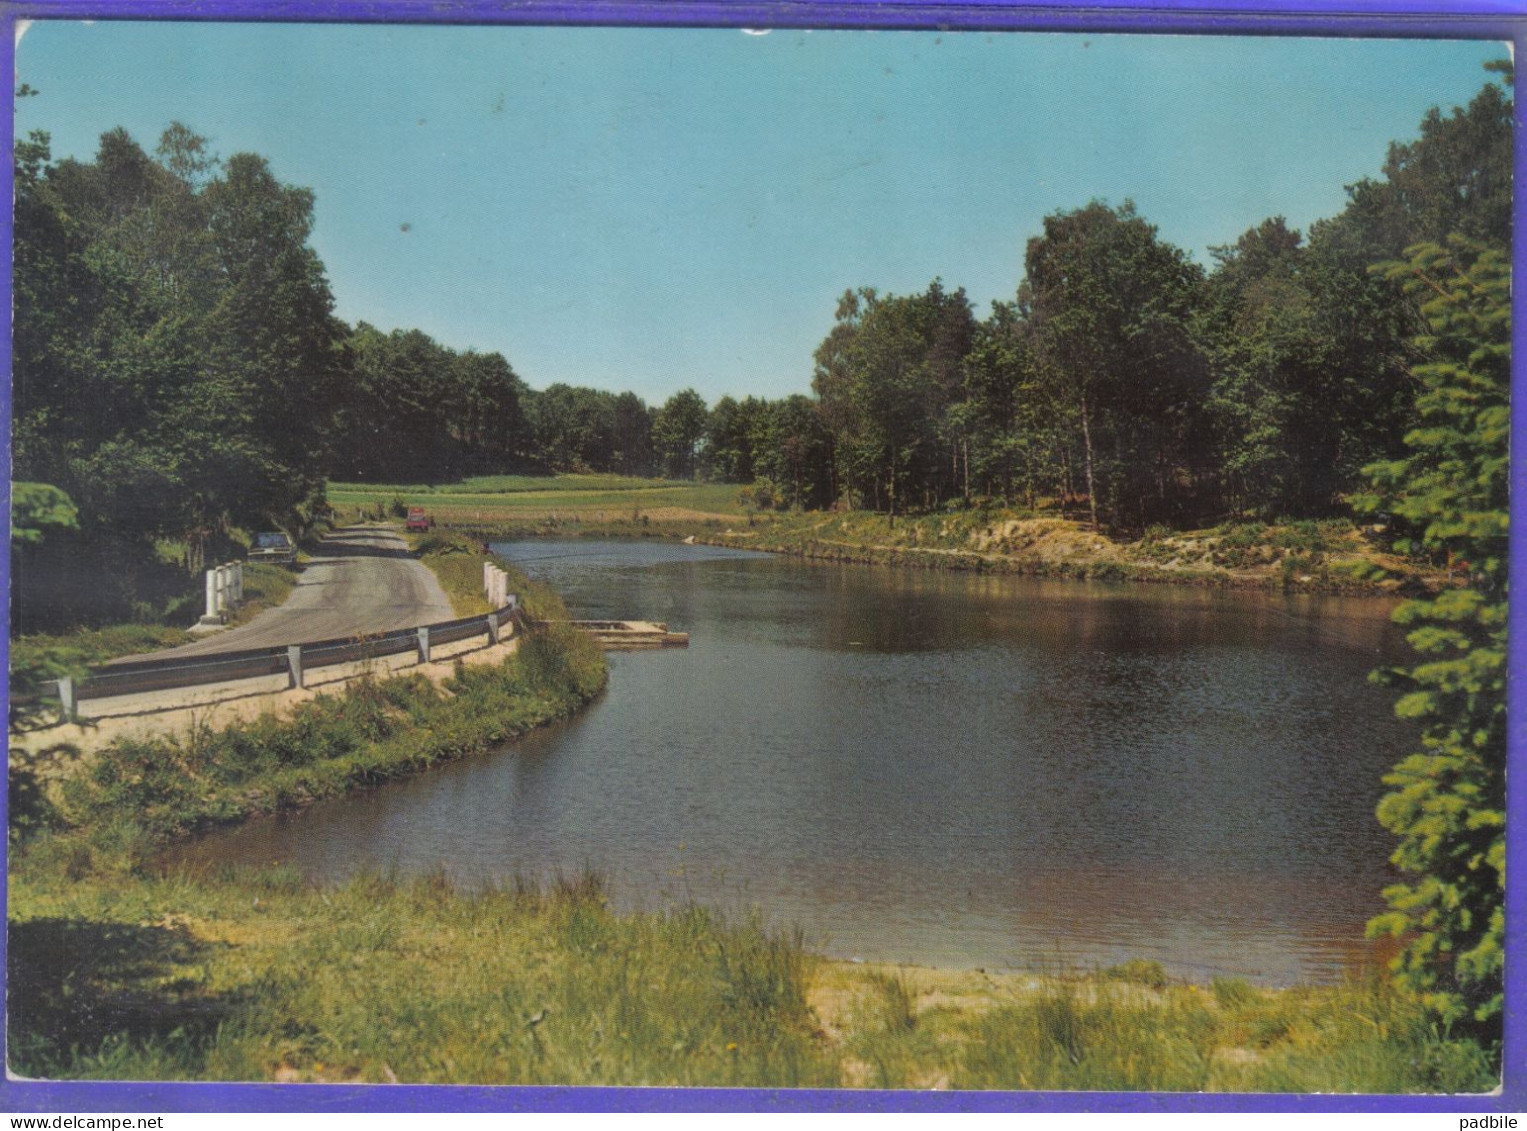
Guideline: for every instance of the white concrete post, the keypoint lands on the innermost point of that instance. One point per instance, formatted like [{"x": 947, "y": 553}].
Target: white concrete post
[
  {"x": 294, "y": 663},
  {"x": 66, "y": 696},
  {"x": 500, "y": 587},
  {"x": 487, "y": 579},
  {"x": 238, "y": 582},
  {"x": 492, "y": 628},
  {"x": 424, "y": 644},
  {"x": 211, "y": 596}
]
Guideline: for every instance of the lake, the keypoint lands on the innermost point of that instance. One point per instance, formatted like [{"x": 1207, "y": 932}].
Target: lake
[{"x": 941, "y": 768}]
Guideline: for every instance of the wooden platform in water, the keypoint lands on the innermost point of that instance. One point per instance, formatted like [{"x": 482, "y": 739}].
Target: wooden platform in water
[{"x": 632, "y": 633}]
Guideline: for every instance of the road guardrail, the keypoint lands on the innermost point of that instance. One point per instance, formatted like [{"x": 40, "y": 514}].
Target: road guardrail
[{"x": 133, "y": 677}]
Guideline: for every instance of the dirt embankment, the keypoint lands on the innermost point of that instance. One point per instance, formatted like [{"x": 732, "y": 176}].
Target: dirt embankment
[{"x": 1332, "y": 556}]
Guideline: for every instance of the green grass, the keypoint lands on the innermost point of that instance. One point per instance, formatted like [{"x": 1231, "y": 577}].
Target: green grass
[
  {"x": 510, "y": 502},
  {"x": 250, "y": 974},
  {"x": 457, "y": 564},
  {"x": 254, "y": 976},
  {"x": 265, "y": 587},
  {"x": 95, "y": 645},
  {"x": 509, "y": 484},
  {"x": 1351, "y": 1038},
  {"x": 1130, "y": 1029}
]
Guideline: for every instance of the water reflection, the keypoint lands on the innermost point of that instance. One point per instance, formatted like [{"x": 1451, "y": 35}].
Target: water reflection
[{"x": 943, "y": 768}]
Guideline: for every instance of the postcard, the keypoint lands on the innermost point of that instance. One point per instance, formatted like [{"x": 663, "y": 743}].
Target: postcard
[{"x": 963, "y": 557}]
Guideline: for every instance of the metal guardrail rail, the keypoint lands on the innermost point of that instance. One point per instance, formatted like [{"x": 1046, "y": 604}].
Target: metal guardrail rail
[{"x": 134, "y": 677}]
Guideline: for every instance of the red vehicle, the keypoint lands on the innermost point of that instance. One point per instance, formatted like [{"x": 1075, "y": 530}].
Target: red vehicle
[{"x": 418, "y": 521}]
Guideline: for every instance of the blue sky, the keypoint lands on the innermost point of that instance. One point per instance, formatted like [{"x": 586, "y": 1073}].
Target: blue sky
[{"x": 654, "y": 209}]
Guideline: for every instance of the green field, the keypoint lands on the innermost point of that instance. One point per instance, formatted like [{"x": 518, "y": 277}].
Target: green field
[{"x": 510, "y": 498}]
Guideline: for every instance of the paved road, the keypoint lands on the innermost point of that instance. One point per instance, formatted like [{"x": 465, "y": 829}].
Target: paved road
[{"x": 362, "y": 580}]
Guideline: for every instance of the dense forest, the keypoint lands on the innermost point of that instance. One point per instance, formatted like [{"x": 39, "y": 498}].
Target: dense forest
[{"x": 179, "y": 369}]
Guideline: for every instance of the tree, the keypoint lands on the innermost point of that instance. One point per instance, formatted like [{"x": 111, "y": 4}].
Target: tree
[
  {"x": 1014, "y": 429},
  {"x": 1280, "y": 417},
  {"x": 1447, "y": 801},
  {"x": 793, "y": 450},
  {"x": 1455, "y": 177},
  {"x": 885, "y": 376},
  {"x": 633, "y": 436},
  {"x": 733, "y": 437},
  {"x": 576, "y": 428},
  {"x": 38, "y": 509},
  {"x": 176, "y": 362},
  {"x": 1111, "y": 307},
  {"x": 677, "y": 431}
]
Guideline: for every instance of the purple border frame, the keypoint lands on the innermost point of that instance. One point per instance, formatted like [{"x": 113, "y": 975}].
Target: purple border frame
[{"x": 1456, "y": 19}]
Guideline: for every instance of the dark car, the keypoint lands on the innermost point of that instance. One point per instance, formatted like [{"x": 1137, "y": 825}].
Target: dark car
[{"x": 273, "y": 547}]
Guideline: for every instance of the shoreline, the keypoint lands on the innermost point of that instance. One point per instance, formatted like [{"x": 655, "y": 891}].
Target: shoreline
[
  {"x": 1052, "y": 550},
  {"x": 959, "y": 561}
]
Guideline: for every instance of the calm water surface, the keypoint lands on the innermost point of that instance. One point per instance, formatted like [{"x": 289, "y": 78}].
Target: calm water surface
[{"x": 940, "y": 768}]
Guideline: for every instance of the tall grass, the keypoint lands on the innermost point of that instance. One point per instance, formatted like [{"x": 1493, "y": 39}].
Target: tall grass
[
  {"x": 248, "y": 974},
  {"x": 1103, "y": 1033},
  {"x": 380, "y": 980},
  {"x": 265, "y": 586},
  {"x": 457, "y": 564}
]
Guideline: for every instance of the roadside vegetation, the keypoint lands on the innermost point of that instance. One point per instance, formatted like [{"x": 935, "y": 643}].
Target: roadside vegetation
[
  {"x": 457, "y": 564},
  {"x": 38, "y": 659}
]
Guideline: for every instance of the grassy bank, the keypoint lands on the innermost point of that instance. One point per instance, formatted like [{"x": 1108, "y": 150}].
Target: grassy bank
[
  {"x": 137, "y": 793},
  {"x": 254, "y": 975},
  {"x": 457, "y": 563},
  {"x": 1333, "y": 555}
]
